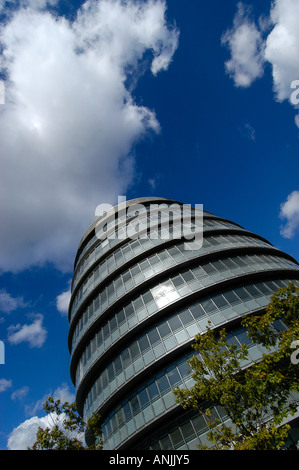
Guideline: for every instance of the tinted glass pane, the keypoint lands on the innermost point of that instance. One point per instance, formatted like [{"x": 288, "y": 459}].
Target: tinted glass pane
[
  {"x": 153, "y": 391},
  {"x": 173, "y": 377},
  {"x": 154, "y": 337},
  {"x": 186, "y": 317},
  {"x": 143, "y": 344},
  {"x": 219, "y": 301},
  {"x": 163, "y": 384},
  {"x": 164, "y": 330},
  {"x": 175, "y": 323}
]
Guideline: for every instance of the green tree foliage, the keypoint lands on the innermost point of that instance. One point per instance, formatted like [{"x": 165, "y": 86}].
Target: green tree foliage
[
  {"x": 67, "y": 429},
  {"x": 255, "y": 398}
]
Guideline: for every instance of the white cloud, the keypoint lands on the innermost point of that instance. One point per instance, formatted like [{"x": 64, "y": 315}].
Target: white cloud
[
  {"x": 34, "y": 334},
  {"x": 64, "y": 394},
  {"x": 245, "y": 43},
  {"x": 8, "y": 303},
  {"x": 275, "y": 41},
  {"x": 289, "y": 210},
  {"x": 24, "y": 435},
  {"x": 69, "y": 122},
  {"x": 63, "y": 301},
  {"x": 20, "y": 393},
  {"x": 5, "y": 385},
  {"x": 282, "y": 46}
]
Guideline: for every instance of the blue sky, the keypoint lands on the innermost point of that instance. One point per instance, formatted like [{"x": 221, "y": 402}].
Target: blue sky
[{"x": 186, "y": 100}]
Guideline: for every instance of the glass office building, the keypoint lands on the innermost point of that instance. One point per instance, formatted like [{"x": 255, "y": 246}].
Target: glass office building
[{"x": 137, "y": 303}]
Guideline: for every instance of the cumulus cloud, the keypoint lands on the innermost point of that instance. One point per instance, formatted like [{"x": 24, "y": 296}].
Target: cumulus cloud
[
  {"x": 70, "y": 119},
  {"x": 63, "y": 301},
  {"x": 289, "y": 210},
  {"x": 64, "y": 394},
  {"x": 24, "y": 435},
  {"x": 34, "y": 333},
  {"x": 245, "y": 43},
  {"x": 5, "y": 385},
  {"x": 8, "y": 303},
  {"x": 282, "y": 46},
  {"x": 273, "y": 40}
]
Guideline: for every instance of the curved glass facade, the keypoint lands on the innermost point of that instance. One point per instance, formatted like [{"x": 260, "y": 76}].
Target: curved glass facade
[{"x": 138, "y": 302}]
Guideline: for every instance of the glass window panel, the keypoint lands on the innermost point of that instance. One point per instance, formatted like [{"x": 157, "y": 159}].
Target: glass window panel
[
  {"x": 125, "y": 357},
  {"x": 174, "y": 377},
  {"x": 138, "y": 304},
  {"x": 213, "y": 241},
  {"x": 118, "y": 255},
  {"x": 253, "y": 291},
  {"x": 187, "y": 431},
  {"x": 186, "y": 317},
  {"x": 184, "y": 369},
  {"x": 117, "y": 365},
  {"x": 144, "y": 265},
  {"x": 208, "y": 306},
  {"x": 136, "y": 270},
  {"x": 264, "y": 288},
  {"x": 209, "y": 268},
  {"x": 118, "y": 282},
  {"x": 219, "y": 266},
  {"x": 163, "y": 255},
  {"x": 129, "y": 311},
  {"x": 199, "y": 424},
  {"x": 143, "y": 398},
  {"x": 229, "y": 263},
  {"x": 103, "y": 296},
  {"x": 220, "y": 301},
  {"x": 178, "y": 281},
  {"x": 199, "y": 272},
  {"x": 120, "y": 418},
  {"x": 100, "y": 338},
  {"x": 113, "y": 324},
  {"x": 154, "y": 337},
  {"x": 173, "y": 251},
  {"x": 175, "y": 323},
  {"x": 197, "y": 311},
  {"x": 240, "y": 261},
  {"x": 106, "y": 331},
  {"x": 176, "y": 437},
  {"x": 242, "y": 293},
  {"x": 154, "y": 260},
  {"x": 126, "y": 276},
  {"x": 159, "y": 350},
  {"x": 166, "y": 443},
  {"x": 153, "y": 391},
  {"x": 96, "y": 303},
  {"x": 135, "y": 405},
  {"x": 164, "y": 330},
  {"x": 188, "y": 276},
  {"x": 243, "y": 338},
  {"x": 121, "y": 317},
  {"x": 144, "y": 344},
  {"x": 163, "y": 384},
  {"x": 134, "y": 350},
  {"x": 147, "y": 297},
  {"x": 231, "y": 298},
  {"x": 127, "y": 411}
]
